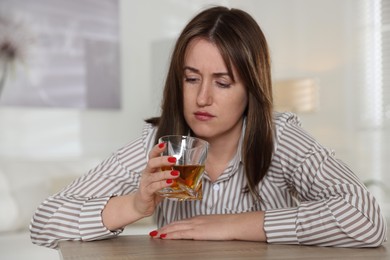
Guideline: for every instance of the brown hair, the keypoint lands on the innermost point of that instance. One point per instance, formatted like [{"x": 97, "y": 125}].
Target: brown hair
[{"x": 242, "y": 44}]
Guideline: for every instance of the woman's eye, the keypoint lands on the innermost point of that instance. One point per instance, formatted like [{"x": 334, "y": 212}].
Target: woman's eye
[
  {"x": 223, "y": 85},
  {"x": 190, "y": 80}
]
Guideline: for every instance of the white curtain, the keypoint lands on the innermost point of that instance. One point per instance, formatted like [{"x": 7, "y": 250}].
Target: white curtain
[{"x": 375, "y": 95}]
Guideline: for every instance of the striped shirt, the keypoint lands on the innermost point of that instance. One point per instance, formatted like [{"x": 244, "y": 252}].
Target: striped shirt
[{"x": 308, "y": 196}]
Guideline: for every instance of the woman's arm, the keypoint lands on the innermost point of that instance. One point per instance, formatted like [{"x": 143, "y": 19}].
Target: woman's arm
[
  {"x": 118, "y": 192},
  {"x": 123, "y": 210},
  {"x": 75, "y": 212},
  {"x": 335, "y": 209}
]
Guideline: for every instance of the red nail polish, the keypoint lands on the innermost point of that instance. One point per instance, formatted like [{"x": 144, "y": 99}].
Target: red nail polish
[
  {"x": 153, "y": 233},
  {"x": 161, "y": 145},
  {"x": 169, "y": 181},
  {"x": 171, "y": 159},
  {"x": 163, "y": 235},
  {"x": 175, "y": 173}
]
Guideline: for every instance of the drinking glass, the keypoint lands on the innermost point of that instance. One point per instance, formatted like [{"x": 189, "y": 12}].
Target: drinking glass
[{"x": 190, "y": 153}]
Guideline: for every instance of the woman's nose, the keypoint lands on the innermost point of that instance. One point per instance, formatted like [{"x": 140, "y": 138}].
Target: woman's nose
[{"x": 204, "y": 97}]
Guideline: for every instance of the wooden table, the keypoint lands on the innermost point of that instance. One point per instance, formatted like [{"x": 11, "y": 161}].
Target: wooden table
[{"x": 144, "y": 247}]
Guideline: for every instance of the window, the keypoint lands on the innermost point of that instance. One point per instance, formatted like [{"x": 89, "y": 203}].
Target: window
[
  {"x": 385, "y": 54},
  {"x": 375, "y": 112}
]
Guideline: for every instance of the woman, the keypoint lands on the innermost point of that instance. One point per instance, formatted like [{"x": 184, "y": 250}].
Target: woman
[{"x": 265, "y": 178}]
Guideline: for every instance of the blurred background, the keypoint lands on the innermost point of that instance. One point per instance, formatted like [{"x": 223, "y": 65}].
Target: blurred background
[{"x": 332, "y": 57}]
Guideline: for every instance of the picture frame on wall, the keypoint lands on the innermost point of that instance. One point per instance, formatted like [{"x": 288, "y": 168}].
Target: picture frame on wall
[{"x": 65, "y": 54}]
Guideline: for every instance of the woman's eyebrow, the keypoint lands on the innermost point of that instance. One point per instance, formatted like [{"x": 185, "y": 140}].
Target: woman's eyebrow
[
  {"x": 191, "y": 69},
  {"x": 217, "y": 74}
]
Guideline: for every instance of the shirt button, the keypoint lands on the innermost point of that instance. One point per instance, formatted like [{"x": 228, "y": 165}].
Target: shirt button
[{"x": 216, "y": 187}]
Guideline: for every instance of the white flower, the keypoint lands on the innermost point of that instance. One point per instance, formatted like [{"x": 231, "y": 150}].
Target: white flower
[{"x": 15, "y": 40}]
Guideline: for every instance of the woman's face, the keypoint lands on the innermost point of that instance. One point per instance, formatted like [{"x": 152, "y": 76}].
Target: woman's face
[{"x": 213, "y": 103}]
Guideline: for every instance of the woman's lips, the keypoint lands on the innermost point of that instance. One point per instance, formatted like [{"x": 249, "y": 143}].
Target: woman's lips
[{"x": 203, "y": 116}]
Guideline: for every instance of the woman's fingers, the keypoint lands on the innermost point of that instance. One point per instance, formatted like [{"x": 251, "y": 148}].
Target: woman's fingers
[
  {"x": 157, "y": 175},
  {"x": 156, "y": 161},
  {"x": 156, "y": 181},
  {"x": 206, "y": 227}
]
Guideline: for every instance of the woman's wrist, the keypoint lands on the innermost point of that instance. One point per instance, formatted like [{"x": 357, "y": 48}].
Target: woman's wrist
[
  {"x": 248, "y": 226},
  {"x": 120, "y": 212}
]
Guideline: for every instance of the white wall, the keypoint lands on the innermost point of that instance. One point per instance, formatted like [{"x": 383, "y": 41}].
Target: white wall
[{"x": 315, "y": 38}]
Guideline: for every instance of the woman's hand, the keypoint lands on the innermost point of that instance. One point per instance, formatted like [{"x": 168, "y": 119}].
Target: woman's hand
[
  {"x": 244, "y": 226},
  {"x": 153, "y": 180},
  {"x": 123, "y": 210}
]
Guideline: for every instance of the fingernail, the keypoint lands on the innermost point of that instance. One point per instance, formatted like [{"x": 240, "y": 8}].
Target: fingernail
[
  {"x": 171, "y": 159},
  {"x": 175, "y": 173},
  {"x": 153, "y": 233},
  {"x": 163, "y": 235},
  {"x": 161, "y": 145},
  {"x": 169, "y": 181}
]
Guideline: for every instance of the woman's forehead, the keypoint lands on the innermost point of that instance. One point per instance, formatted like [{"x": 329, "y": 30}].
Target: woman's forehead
[{"x": 202, "y": 51}]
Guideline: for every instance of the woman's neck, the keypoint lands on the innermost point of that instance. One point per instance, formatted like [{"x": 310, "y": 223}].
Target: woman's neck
[{"x": 221, "y": 152}]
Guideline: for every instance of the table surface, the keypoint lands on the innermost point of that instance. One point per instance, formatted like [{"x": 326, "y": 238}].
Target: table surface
[{"x": 144, "y": 247}]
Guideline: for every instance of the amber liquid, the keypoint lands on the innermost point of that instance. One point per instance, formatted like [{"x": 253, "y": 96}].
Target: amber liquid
[{"x": 188, "y": 186}]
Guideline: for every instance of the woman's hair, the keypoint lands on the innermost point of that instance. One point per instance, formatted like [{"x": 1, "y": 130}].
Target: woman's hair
[{"x": 242, "y": 44}]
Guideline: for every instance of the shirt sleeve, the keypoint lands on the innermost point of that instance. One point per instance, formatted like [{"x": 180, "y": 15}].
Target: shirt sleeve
[
  {"x": 334, "y": 208},
  {"x": 75, "y": 212}
]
